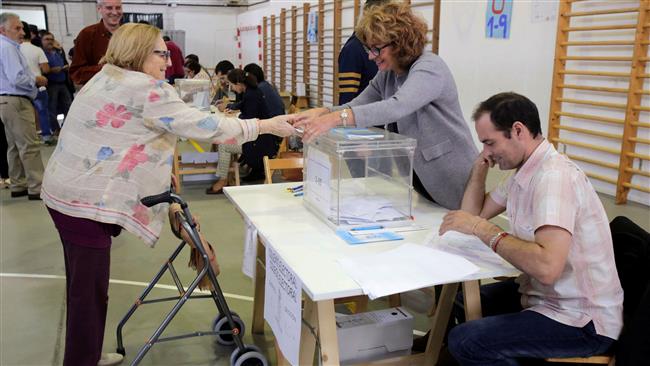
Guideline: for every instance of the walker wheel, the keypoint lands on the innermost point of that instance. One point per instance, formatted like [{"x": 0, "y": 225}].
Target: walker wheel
[
  {"x": 220, "y": 324},
  {"x": 250, "y": 355}
]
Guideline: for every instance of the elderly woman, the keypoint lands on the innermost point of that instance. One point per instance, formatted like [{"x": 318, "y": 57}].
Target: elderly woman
[
  {"x": 414, "y": 88},
  {"x": 116, "y": 147}
]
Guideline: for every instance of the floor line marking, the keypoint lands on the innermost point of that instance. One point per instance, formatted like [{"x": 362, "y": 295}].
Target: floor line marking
[{"x": 121, "y": 282}]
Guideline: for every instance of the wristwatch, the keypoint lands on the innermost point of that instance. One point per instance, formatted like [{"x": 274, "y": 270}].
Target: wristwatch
[{"x": 344, "y": 117}]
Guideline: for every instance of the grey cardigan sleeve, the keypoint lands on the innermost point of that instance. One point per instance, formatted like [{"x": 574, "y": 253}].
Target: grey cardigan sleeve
[{"x": 422, "y": 86}]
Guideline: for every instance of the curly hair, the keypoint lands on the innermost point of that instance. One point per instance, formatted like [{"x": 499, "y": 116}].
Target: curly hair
[{"x": 394, "y": 23}]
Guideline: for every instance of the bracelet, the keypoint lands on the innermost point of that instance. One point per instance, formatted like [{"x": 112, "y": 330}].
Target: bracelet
[{"x": 496, "y": 239}]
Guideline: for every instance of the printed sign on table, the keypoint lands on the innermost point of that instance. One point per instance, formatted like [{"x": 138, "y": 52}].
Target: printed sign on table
[{"x": 282, "y": 305}]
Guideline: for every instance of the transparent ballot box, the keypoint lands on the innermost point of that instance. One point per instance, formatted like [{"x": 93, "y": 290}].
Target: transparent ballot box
[
  {"x": 360, "y": 177},
  {"x": 195, "y": 92}
]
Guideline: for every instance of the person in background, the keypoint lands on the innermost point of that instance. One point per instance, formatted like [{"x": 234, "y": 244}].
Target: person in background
[
  {"x": 194, "y": 70},
  {"x": 568, "y": 301},
  {"x": 57, "y": 88},
  {"x": 39, "y": 66},
  {"x": 274, "y": 103},
  {"x": 59, "y": 49},
  {"x": 18, "y": 87},
  {"x": 93, "y": 189},
  {"x": 192, "y": 57},
  {"x": 252, "y": 105},
  {"x": 175, "y": 71},
  {"x": 221, "y": 80},
  {"x": 34, "y": 35},
  {"x": 355, "y": 67},
  {"x": 91, "y": 43},
  {"x": 415, "y": 88}
]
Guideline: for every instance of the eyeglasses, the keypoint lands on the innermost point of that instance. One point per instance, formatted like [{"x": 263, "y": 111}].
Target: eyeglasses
[
  {"x": 375, "y": 50},
  {"x": 163, "y": 53}
]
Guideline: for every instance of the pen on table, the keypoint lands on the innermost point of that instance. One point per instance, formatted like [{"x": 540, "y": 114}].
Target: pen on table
[
  {"x": 295, "y": 189},
  {"x": 298, "y": 194},
  {"x": 363, "y": 228}
]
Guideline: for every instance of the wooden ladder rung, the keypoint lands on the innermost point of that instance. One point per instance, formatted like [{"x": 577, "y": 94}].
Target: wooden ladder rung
[
  {"x": 640, "y": 124},
  {"x": 637, "y": 187},
  {"x": 601, "y": 177},
  {"x": 600, "y": 27},
  {"x": 594, "y": 103},
  {"x": 591, "y": 117},
  {"x": 646, "y": 92},
  {"x": 597, "y": 43},
  {"x": 589, "y": 132},
  {"x": 593, "y": 88},
  {"x": 593, "y": 161},
  {"x": 599, "y": 12},
  {"x": 595, "y": 73},
  {"x": 641, "y": 108},
  {"x": 595, "y": 58},
  {"x": 638, "y": 172},
  {"x": 638, "y": 156},
  {"x": 586, "y": 145},
  {"x": 640, "y": 140}
]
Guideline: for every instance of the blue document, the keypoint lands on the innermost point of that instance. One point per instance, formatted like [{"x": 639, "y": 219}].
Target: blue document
[{"x": 362, "y": 236}]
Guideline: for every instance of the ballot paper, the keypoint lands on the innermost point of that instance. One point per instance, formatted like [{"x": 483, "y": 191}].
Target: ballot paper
[
  {"x": 405, "y": 268},
  {"x": 473, "y": 249}
]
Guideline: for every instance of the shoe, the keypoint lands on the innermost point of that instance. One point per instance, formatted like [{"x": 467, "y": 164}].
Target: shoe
[
  {"x": 109, "y": 359},
  {"x": 34, "y": 197},
  {"x": 8, "y": 183},
  {"x": 210, "y": 191},
  {"x": 19, "y": 194},
  {"x": 4, "y": 183}
]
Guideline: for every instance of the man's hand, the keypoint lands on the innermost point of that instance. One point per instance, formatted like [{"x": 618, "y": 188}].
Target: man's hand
[
  {"x": 460, "y": 221},
  {"x": 41, "y": 80},
  {"x": 482, "y": 164}
]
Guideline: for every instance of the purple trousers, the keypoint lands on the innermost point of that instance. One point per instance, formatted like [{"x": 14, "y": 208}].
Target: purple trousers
[{"x": 87, "y": 273}]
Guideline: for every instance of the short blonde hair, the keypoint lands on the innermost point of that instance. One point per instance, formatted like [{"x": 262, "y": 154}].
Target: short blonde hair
[
  {"x": 130, "y": 46},
  {"x": 395, "y": 24}
]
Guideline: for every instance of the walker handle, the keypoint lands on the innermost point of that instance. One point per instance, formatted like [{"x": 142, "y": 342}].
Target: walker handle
[{"x": 165, "y": 197}]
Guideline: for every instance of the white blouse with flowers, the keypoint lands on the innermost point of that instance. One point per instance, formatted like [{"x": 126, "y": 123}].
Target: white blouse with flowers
[{"x": 117, "y": 146}]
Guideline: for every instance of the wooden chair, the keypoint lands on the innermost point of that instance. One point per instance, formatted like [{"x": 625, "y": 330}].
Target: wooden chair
[
  {"x": 271, "y": 165},
  {"x": 233, "y": 171}
]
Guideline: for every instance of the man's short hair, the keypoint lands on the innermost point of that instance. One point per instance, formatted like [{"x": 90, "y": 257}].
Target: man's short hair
[
  {"x": 192, "y": 57},
  {"x": 507, "y": 108},
  {"x": 256, "y": 70},
  {"x": 26, "y": 30},
  {"x": 6, "y": 17},
  {"x": 33, "y": 29},
  {"x": 166, "y": 38},
  {"x": 223, "y": 67}
]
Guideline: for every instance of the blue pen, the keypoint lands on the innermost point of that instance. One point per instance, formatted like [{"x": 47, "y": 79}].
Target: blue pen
[
  {"x": 363, "y": 228},
  {"x": 297, "y": 188},
  {"x": 298, "y": 194}
]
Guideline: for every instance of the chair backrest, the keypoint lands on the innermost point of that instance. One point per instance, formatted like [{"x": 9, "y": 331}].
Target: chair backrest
[
  {"x": 632, "y": 253},
  {"x": 271, "y": 165}
]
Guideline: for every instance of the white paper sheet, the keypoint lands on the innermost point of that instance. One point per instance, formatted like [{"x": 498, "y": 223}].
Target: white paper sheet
[
  {"x": 250, "y": 250},
  {"x": 407, "y": 267},
  {"x": 318, "y": 170},
  {"x": 474, "y": 250},
  {"x": 282, "y": 305}
]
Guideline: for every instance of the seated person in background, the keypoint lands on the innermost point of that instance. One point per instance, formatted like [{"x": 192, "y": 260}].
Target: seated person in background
[
  {"x": 194, "y": 70},
  {"x": 274, "y": 103},
  {"x": 568, "y": 302},
  {"x": 252, "y": 105},
  {"x": 221, "y": 81}
]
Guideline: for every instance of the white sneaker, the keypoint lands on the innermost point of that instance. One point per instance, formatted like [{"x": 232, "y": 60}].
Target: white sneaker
[
  {"x": 4, "y": 183},
  {"x": 109, "y": 359}
]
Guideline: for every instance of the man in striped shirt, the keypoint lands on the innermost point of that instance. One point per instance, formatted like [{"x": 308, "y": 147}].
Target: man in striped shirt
[{"x": 568, "y": 301}]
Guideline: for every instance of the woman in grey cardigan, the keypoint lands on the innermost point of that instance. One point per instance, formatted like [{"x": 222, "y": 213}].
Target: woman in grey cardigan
[{"x": 415, "y": 89}]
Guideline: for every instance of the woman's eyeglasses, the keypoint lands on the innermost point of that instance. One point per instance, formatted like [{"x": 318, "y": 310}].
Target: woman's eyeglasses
[
  {"x": 375, "y": 50},
  {"x": 163, "y": 53}
]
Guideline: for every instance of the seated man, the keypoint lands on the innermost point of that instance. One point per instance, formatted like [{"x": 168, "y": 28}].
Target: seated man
[{"x": 569, "y": 301}]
